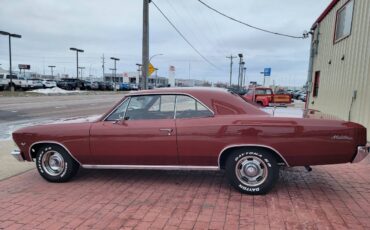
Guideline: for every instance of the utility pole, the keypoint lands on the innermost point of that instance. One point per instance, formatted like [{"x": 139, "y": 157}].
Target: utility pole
[
  {"x": 52, "y": 70},
  {"x": 145, "y": 55},
  {"x": 231, "y": 57},
  {"x": 244, "y": 73},
  {"x": 103, "y": 65}
]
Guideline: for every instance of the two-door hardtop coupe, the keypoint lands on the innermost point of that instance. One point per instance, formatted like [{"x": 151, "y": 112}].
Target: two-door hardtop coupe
[{"x": 192, "y": 129}]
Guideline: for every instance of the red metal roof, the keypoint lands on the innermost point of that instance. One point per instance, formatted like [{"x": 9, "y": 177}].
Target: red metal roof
[{"x": 325, "y": 13}]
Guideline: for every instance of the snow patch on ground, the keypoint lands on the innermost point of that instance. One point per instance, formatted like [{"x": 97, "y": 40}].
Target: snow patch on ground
[{"x": 55, "y": 90}]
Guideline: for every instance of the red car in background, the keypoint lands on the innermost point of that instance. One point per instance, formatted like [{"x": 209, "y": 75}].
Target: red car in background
[
  {"x": 192, "y": 129},
  {"x": 266, "y": 97}
]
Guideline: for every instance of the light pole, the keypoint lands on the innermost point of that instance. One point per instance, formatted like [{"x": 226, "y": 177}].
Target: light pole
[
  {"x": 240, "y": 69},
  {"x": 244, "y": 73},
  {"x": 10, "y": 35},
  {"x": 77, "y": 51},
  {"x": 139, "y": 72},
  {"x": 81, "y": 69},
  {"x": 153, "y": 56},
  {"x": 52, "y": 70},
  {"x": 231, "y": 57},
  {"x": 115, "y": 67}
]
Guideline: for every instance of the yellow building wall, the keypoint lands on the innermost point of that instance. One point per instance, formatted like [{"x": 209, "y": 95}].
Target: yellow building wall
[{"x": 339, "y": 79}]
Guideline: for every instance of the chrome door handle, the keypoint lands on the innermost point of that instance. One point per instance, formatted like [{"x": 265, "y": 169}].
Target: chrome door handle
[{"x": 169, "y": 131}]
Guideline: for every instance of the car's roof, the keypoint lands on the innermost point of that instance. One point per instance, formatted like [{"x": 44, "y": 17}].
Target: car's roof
[{"x": 221, "y": 101}]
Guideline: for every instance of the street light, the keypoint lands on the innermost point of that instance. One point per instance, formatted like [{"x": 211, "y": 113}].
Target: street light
[
  {"x": 77, "y": 51},
  {"x": 155, "y": 55},
  {"x": 10, "y": 35},
  {"x": 139, "y": 66},
  {"x": 81, "y": 69},
  {"x": 115, "y": 67},
  {"x": 51, "y": 69}
]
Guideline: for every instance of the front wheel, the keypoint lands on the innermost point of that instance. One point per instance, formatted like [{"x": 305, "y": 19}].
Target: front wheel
[
  {"x": 55, "y": 164},
  {"x": 252, "y": 171}
]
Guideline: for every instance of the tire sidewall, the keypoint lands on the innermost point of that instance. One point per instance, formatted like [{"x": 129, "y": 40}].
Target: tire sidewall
[
  {"x": 67, "y": 164},
  {"x": 272, "y": 176}
]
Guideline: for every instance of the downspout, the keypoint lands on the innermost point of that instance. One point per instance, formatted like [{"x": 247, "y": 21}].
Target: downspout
[{"x": 310, "y": 64}]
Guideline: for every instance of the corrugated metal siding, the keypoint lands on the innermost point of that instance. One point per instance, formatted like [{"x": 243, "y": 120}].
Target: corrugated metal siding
[{"x": 339, "y": 79}]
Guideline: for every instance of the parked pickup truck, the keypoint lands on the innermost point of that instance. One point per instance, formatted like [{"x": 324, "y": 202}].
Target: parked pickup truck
[{"x": 266, "y": 97}]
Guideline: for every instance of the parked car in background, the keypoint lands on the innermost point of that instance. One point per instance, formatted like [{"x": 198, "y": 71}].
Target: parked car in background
[
  {"x": 192, "y": 129},
  {"x": 102, "y": 85},
  {"x": 302, "y": 97},
  {"x": 3, "y": 82},
  {"x": 109, "y": 85},
  {"x": 266, "y": 97},
  {"x": 91, "y": 85},
  {"x": 49, "y": 83},
  {"x": 71, "y": 84}
]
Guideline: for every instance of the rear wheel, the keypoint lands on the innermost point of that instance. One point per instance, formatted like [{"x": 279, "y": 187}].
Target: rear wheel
[
  {"x": 55, "y": 164},
  {"x": 252, "y": 171}
]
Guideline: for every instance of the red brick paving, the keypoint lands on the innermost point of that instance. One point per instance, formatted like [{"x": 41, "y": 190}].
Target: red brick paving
[{"x": 330, "y": 197}]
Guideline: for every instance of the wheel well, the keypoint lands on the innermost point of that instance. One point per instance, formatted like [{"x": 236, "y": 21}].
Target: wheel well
[
  {"x": 227, "y": 152},
  {"x": 36, "y": 147}
]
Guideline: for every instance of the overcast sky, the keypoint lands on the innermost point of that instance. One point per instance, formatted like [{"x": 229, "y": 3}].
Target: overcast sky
[{"x": 114, "y": 27}]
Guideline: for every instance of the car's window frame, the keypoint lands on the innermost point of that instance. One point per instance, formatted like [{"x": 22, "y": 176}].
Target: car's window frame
[
  {"x": 196, "y": 101},
  {"x": 161, "y": 94}
]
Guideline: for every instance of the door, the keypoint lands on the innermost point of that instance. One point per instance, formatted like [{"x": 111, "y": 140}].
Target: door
[
  {"x": 196, "y": 133},
  {"x": 141, "y": 131}
]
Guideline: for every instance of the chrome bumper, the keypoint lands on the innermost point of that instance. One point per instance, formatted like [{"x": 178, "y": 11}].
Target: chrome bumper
[
  {"x": 362, "y": 152},
  {"x": 17, "y": 155}
]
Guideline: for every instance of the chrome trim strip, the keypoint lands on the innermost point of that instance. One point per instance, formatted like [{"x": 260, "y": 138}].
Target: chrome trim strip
[
  {"x": 51, "y": 142},
  {"x": 152, "y": 167},
  {"x": 148, "y": 94},
  {"x": 362, "y": 153},
  {"x": 249, "y": 145},
  {"x": 17, "y": 155}
]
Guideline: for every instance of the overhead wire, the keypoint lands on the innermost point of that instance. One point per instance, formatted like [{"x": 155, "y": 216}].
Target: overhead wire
[
  {"x": 251, "y": 26},
  {"x": 184, "y": 38}
]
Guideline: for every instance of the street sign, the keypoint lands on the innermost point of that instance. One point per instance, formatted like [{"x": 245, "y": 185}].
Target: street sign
[
  {"x": 24, "y": 66},
  {"x": 151, "y": 69},
  {"x": 267, "y": 72}
]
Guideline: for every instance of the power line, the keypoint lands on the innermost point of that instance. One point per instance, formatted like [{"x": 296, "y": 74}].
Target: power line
[
  {"x": 183, "y": 37},
  {"x": 305, "y": 35}
]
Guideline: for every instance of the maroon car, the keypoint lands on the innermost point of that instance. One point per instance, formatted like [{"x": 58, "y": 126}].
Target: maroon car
[{"x": 192, "y": 129}]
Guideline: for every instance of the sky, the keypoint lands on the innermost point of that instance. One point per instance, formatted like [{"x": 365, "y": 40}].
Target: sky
[{"x": 114, "y": 28}]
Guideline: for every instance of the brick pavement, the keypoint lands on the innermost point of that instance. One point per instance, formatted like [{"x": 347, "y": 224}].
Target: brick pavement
[{"x": 330, "y": 197}]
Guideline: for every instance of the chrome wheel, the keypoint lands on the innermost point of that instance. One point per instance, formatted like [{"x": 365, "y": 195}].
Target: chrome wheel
[
  {"x": 52, "y": 162},
  {"x": 251, "y": 171}
]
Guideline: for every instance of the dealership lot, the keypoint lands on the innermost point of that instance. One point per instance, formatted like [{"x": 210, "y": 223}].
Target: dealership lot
[{"x": 329, "y": 197}]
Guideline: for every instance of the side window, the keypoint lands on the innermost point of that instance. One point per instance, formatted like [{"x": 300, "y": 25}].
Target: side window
[
  {"x": 187, "y": 107},
  {"x": 343, "y": 25},
  {"x": 151, "y": 107},
  {"x": 119, "y": 113}
]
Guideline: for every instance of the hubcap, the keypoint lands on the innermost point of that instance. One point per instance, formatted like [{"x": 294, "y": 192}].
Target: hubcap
[
  {"x": 53, "y": 163},
  {"x": 251, "y": 171}
]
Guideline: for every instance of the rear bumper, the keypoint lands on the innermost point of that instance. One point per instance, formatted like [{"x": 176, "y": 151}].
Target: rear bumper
[
  {"x": 17, "y": 155},
  {"x": 362, "y": 153}
]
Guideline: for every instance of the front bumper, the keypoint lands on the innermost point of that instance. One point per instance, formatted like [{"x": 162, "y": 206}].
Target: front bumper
[
  {"x": 17, "y": 155},
  {"x": 362, "y": 153}
]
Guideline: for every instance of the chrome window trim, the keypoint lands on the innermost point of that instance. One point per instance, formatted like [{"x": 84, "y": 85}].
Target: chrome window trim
[
  {"x": 115, "y": 108},
  {"x": 196, "y": 99},
  {"x": 148, "y": 94},
  {"x": 249, "y": 145},
  {"x": 152, "y": 167},
  {"x": 51, "y": 142}
]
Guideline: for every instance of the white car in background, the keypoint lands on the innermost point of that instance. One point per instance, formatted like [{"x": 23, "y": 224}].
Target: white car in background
[
  {"x": 49, "y": 83},
  {"x": 3, "y": 82},
  {"x": 30, "y": 83}
]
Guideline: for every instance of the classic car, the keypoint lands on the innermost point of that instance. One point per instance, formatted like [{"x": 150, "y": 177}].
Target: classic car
[{"x": 192, "y": 129}]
